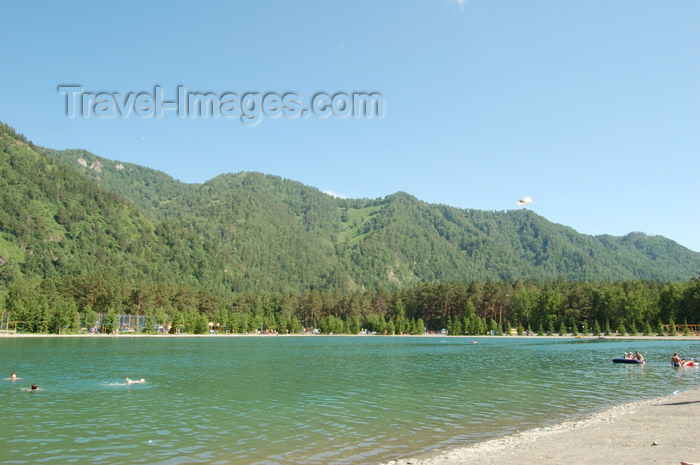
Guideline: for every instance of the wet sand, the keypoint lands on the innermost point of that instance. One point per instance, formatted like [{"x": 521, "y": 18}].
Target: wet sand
[{"x": 663, "y": 431}]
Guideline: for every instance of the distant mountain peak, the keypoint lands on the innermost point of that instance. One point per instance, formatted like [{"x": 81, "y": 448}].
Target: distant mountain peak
[{"x": 249, "y": 230}]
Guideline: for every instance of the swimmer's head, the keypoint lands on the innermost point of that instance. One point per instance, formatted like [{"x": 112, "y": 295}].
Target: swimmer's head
[{"x": 34, "y": 387}]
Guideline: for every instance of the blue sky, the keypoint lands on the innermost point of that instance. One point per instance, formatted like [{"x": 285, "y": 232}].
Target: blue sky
[{"x": 590, "y": 108}]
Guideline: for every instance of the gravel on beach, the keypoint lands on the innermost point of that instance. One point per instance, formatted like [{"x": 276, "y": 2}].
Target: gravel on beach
[{"x": 662, "y": 431}]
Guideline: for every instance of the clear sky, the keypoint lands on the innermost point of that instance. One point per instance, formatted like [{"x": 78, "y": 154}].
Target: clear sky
[{"x": 590, "y": 108}]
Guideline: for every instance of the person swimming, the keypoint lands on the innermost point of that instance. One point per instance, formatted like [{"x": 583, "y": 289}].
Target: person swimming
[
  {"x": 134, "y": 381},
  {"x": 35, "y": 387},
  {"x": 676, "y": 361}
]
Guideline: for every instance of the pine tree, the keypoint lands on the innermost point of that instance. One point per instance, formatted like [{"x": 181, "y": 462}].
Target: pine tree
[
  {"x": 494, "y": 328},
  {"x": 296, "y": 326},
  {"x": 562, "y": 329},
  {"x": 109, "y": 322},
  {"x": 90, "y": 317},
  {"x": 355, "y": 328},
  {"x": 596, "y": 328},
  {"x": 149, "y": 327},
  {"x": 381, "y": 325},
  {"x": 72, "y": 317},
  {"x": 390, "y": 328},
  {"x": 481, "y": 323},
  {"x": 672, "y": 327},
  {"x": 540, "y": 330},
  {"x": 660, "y": 329},
  {"x": 468, "y": 325},
  {"x": 44, "y": 322},
  {"x": 647, "y": 329},
  {"x": 420, "y": 326},
  {"x": 176, "y": 325},
  {"x": 400, "y": 317},
  {"x": 608, "y": 331},
  {"x": 458, "y": 326},
  {"x": 621, "y": 330}
]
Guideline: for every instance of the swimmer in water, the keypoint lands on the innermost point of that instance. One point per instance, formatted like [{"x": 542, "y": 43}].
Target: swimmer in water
[
  {"x": 676, "y": 361},
  {"x": 13, "y": 377},
  {"x": 34, "y": 387},
  {"x": 133, "y": 381}
]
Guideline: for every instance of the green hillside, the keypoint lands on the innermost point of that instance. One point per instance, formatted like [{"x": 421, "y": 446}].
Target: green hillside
[
  {"x": 71, "y": 212},
  {"x": 55, "y": 223},
  {"x": 82, "y": 235}
]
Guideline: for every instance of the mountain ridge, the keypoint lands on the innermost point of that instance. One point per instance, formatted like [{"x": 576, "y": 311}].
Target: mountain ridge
[{"x": 248, "y": 230}]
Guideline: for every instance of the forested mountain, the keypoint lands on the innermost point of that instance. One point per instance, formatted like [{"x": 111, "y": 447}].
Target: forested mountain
[
  {"x": 54, "y": 222},
  {"x": 82, "y": 235},
  {"x": 280, "y": 233},
  {"x": 72, "y": 213}
]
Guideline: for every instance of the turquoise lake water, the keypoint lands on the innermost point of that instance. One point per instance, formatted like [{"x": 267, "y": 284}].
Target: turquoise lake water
[{"x": 310, "y": 400}]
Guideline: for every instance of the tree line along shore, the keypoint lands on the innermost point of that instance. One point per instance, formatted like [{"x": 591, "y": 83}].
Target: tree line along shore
[{"x": 109, "y": 304}]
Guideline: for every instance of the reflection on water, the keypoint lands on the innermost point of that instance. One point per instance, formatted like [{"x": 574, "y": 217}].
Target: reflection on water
[{"x": 317, "y": 400}]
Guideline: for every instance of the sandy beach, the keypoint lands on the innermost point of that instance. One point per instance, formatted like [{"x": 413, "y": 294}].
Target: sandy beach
[{"x": 662, "y": 430}]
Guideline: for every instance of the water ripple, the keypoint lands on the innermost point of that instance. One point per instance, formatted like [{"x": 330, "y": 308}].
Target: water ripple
[{"x": 306, "y": 400}]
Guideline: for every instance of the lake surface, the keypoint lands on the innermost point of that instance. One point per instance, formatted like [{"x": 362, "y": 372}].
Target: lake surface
[{"x": 310, "y": 400}]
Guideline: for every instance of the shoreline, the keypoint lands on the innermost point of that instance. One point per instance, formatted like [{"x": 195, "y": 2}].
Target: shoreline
[
  {"x": 562, "y": 338},
  {"x": 658, "y": 430}
]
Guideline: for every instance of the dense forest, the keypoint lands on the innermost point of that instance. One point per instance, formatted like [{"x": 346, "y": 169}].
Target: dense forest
[
  {"x": 80, "y": 234},
  {"x": 543, "y": 307}
]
